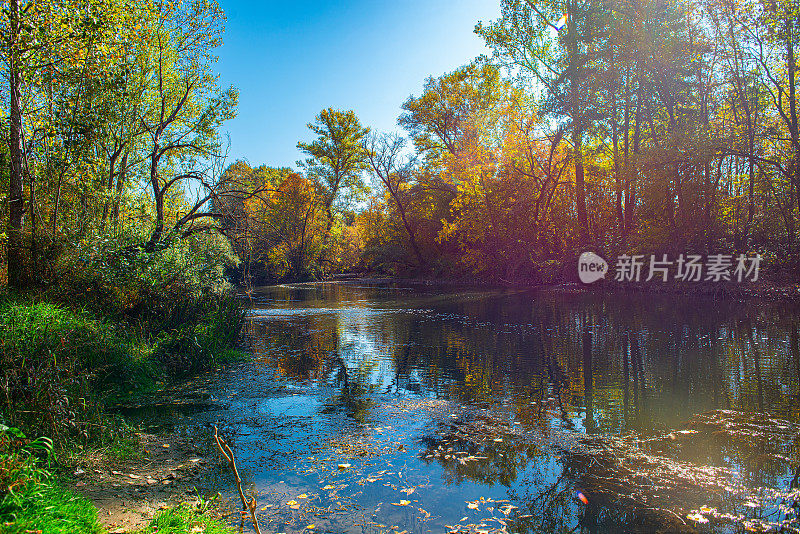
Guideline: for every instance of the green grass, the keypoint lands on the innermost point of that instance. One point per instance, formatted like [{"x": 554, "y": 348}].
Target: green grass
[
  {"x": 61, "y": 366},
  {"x": 48, "y": 508},
  {"x": 185, "y": 520}
]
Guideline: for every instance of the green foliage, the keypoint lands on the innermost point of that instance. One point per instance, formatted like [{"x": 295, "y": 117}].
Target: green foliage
[
  {"x": 30, "y": 500},
  {"x": 117, "y": 274},
  {"x": 337, "y": 158},
  {"x": 185, "y": 519}
]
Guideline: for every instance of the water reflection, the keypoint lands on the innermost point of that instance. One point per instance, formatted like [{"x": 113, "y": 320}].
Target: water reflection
[
  {"x": 491, "y": 408},
  {"x": 613, "y": 364}
]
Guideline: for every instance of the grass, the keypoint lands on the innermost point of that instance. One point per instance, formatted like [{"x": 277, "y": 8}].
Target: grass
[
  {"x": 30, "y": 499},
  {"x": 185, "y": 520},
  {"x": 47, "y": 508},
  {"x": 60, "y": 366}
]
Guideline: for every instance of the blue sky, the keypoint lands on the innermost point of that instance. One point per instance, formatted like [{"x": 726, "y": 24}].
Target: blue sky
[{"x": 290, "y": 60}]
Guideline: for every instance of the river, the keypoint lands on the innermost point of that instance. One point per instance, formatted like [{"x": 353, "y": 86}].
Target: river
[{"x": 421, "y": 409}]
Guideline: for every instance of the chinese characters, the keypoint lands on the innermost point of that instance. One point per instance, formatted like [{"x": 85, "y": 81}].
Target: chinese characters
[{"x": 688, "y": 268}]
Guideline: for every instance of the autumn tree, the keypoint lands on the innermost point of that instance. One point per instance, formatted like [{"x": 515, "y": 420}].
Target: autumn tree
[
  {"x": 336, "y": 159},
  {"x": 395, "y": 172},
  {"x": 563, "y": 63}
]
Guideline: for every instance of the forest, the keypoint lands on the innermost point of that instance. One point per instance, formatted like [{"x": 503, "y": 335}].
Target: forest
[
  {"x": 653, "y": 127},
  {"x": 641, "y": 127},
  {"x": 616, "y": 126}
]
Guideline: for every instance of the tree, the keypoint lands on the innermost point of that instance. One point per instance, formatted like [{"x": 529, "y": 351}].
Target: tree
[
  {"x": 443, "y": 118},
  {"x": 563, "y": 63},
  {"x": 184, "y": 112},
  {"x": 395, "y": 173},
  {"x": 336, "y": 159}
]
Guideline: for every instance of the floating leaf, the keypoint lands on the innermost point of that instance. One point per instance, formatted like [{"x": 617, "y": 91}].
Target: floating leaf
[
  {"x": 697, "y": 517},
  {"x": 402, "y": 503},
  {"x": 292, "y": 503}
]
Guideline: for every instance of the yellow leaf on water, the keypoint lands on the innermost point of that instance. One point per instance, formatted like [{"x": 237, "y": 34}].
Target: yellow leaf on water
[
  {"x": 292, "y": 503},
  {"x": 302, "y": 496},
  {"x": 312, "y": 526},
  {"x": 402, "y": 503},
  {"x": 697, "y": 517},
  {"x": 328, "y": 486}
]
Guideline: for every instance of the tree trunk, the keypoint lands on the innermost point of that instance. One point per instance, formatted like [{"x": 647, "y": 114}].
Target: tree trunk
[
  {"x": 16, "y": 210},
  {"x": 158, "y": 195},
  {"x": 580, "y": 189},
  {"x": 576, "y": 112},
  {"x": 617, "y": 176}
]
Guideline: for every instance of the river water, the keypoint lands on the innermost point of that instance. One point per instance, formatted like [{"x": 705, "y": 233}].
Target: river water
[{"x": 392, "y": 409}]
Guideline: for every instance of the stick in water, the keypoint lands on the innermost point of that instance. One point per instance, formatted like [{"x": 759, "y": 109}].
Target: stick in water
[{"x": 228, "y": 454}]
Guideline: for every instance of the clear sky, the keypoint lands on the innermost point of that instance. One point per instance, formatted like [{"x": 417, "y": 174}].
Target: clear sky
[{"x": 291, "y": 59}]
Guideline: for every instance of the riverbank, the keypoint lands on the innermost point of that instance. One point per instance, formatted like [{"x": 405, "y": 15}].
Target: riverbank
[
  {"x": 63, "y": 366},
  {"x": 166, "y": 472}
]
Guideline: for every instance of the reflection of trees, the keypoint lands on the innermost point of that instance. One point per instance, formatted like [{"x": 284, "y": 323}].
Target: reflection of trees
[
  {"x": 353, "y": 397},
  {"x": 627, "y": 363},
  {"x": 466, "y": 450}
]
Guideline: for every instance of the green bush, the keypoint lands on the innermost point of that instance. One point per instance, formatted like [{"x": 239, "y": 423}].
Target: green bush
[{"x": 118, "y": 276}]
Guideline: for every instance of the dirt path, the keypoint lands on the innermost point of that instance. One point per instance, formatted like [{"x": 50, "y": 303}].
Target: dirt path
[{"x": 127, "y": 494}]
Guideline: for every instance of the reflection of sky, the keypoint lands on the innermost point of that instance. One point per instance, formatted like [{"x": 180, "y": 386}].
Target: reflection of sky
[{"x": 362, "y": 352}]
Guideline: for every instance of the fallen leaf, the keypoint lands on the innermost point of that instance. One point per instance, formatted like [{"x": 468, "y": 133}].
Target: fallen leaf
[{"x": 699, "y": 518}]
